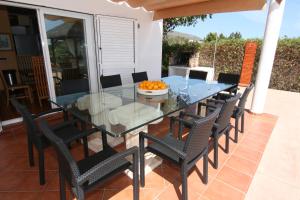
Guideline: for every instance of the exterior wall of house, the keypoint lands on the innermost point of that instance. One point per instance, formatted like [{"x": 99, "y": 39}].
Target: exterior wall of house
[{"x": 149, "y": 35}]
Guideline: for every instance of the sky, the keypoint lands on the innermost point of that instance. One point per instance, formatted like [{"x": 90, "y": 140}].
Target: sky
[{"x": 250, "y": 24}]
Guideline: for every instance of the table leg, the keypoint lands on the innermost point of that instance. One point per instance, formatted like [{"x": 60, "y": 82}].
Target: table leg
[
  {"x": 131, "y": 139},
  {"x": 151, "y": 160}
]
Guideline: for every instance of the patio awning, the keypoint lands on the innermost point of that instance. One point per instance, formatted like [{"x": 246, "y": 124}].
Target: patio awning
[{"x": 178, "y": 8}]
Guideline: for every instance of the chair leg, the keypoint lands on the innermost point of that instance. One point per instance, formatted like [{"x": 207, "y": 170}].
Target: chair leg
[
  {"x": 41, "y": 167},
  {"x": 180, "y": 130},
  {"x": 7, "y": 99},
  {"x": 243, "y": 123},
  {"x": 85, "y": 147},
  {"x": 184, "y": 183},
  {"x": 227, "y": 141},
  {"x": 40, "y": 102},
  {"x": 62, "y": 186},
  {"x": 30, "y": 152},
  {"x": 216, "y": 156},
  {"x": 236, "y": 130},
  {"x": 135, "y": 177},
  {"x": 205, "y": 167},
  {"x": 142, "y": 161},
  {"x": 29, "y": 94}
]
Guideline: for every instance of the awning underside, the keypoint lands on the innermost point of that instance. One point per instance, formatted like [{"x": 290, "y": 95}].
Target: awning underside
[{"x": 178, "y": 8}]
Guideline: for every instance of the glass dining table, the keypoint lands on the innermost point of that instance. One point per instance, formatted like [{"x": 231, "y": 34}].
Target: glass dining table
[{"x": 122, "y": 112}]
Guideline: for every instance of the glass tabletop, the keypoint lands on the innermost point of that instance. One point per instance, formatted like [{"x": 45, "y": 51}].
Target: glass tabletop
[{"x": 122, "y": 109}]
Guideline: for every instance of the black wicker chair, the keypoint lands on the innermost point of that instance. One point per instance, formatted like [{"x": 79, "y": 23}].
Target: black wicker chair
[
  {"x": 85, "y": 174},
  {"x": 229, "y": 79},
  {"x": 239, "y": 112},
  {"x": 139, "y": 77},
  {"x": 74, "y": 86},
  {"x": 183, "y": 153},
  {"x": 221, "y": 126},
  {"x": 110, "y": 81},
  {"x": 195, "y": 74},
  {"x": 66, "y": 130}
]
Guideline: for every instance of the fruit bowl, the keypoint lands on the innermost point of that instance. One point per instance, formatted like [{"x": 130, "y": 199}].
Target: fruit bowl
[{"x": 152, "y": 88}]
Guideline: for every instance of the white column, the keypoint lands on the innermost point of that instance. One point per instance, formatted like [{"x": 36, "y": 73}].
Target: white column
[{"x": 267, "y": 56}]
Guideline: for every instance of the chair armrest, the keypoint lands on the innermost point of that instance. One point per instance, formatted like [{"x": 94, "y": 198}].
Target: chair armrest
[
  {"x": 42, "y": 114},
  {"x": 63, "y": 124},
  {"x": 96, "y": 172},
  {"x": 215, "y": 125},
  {"x": 181, "y": 154},
  {"x": 182, "y": 114},
  {"x": 217, "y": 101},
  {"x": 210, "y": 106},
  {"x": 182, "y": 123},
  {"x": 80, "y": 135},
  {"x": 90, "y": 131}
]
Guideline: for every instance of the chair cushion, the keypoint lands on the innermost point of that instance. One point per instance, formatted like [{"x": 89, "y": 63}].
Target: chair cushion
[
  {"x": 69, "y": 133},
  {"x": 165, "y": 152}
]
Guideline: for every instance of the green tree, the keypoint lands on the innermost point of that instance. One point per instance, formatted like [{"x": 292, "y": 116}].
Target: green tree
[
  {"x": 211, "y": 37},
  {"x": 235, "y": 35},
  {"x": 171, "y": 23},
  {"x": 222, "y": 36}
]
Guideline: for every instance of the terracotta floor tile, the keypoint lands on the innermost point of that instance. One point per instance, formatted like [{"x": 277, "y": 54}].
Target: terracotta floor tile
[
  {"x": 211, "y": 170},
  {"x": 222, "y": 157},
  {"x": 202, "y": 198},
  {"x": 149, "y": 194},
  {"x": 248, "y": 153},
  {"x": 235, "y": 178},
  {"x": 170, "y": 172},
  {"x": 19, "y": 195},
  {"x": 256, "y": 145},
  {"x": 94, "y": 195},
  {"x": 15, "y": 162},
  {"x": 261, "y": 127},
  {"x": 173, "y": 191},
  {"x": 156, "y": 179},
  {"x": 112, "y": 194},
  {"x": 257, "y": 136},
  {"x": 29, "y": 181},
  {"x": 19, "y": 181},
  {"x": 219, "y": 191},
  {"x": 119, "y": 182},
  {"x": 51, "y": 195},
  {"x": 53, "y": 182},
  {"x": 242, "y": 165},
  {"x": 195, "y": 182}
]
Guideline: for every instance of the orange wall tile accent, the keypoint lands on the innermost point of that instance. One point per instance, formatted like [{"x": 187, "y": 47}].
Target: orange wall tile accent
[{"x": 248, "y": 63}]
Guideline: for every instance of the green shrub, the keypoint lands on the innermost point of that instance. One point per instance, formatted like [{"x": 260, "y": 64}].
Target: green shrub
[
  {"x": 230, "y": 54},
  {"x": 181, "y": 52}
]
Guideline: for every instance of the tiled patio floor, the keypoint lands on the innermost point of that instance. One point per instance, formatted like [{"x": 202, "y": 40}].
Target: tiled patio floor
[{"x": 230, "y": 181}]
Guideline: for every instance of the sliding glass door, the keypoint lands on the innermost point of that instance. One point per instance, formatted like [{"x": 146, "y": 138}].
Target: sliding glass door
[
  {"x": 68, "y": 40},
  {"x": 50, "y": 48}
]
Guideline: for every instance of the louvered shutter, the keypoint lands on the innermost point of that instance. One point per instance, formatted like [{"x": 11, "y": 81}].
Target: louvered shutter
[{"x": 117, "y": 42}]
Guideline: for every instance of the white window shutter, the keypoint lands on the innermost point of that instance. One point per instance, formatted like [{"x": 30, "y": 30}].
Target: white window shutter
[{"x": 117, "y": 42}]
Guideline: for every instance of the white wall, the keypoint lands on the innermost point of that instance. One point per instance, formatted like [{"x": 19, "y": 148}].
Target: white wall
[{"x": 149, "y": 35}]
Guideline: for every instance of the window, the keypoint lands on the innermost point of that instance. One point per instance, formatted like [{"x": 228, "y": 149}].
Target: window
[{"x": 116, "y": 42}]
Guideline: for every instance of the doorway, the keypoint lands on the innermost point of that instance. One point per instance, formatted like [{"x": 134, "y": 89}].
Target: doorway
[
  {"x": 70, "y": 50},
  {"x": 64, "y": 64},
  {"x": 21, "y": 62}
]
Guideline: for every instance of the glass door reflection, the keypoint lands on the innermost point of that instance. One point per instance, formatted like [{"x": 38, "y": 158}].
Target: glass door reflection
[{"x": 67, "y": 49}]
